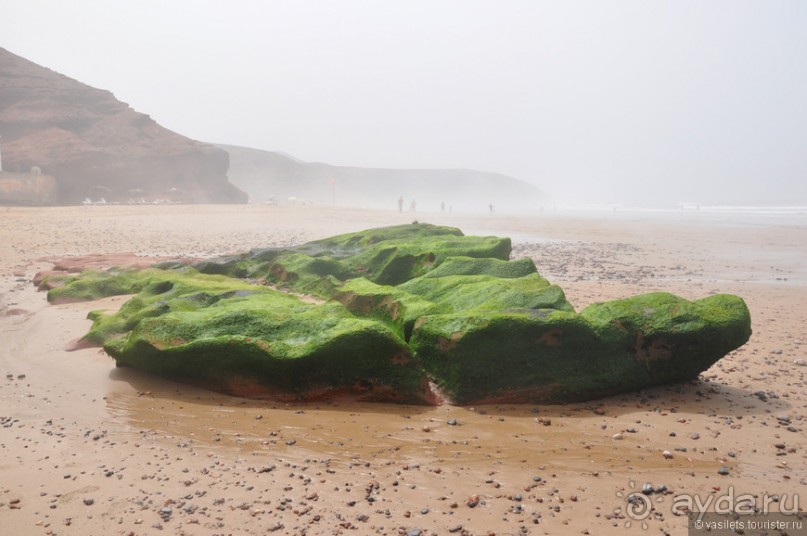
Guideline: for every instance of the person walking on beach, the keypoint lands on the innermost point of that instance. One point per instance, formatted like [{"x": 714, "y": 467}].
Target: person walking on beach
[
  {"x": 412, "y": 206},
  {"x": 400, "y": 204}
]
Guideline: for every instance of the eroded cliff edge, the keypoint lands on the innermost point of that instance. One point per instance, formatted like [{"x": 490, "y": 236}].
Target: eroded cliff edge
[{"x": 96, "y": 146}]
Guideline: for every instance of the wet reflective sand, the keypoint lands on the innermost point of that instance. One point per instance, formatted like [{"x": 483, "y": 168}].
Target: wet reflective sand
[{"x": 86, "y": 448}]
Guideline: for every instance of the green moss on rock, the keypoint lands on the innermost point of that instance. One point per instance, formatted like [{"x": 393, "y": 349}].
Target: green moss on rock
[
  {"x": 553, "y": 356},
  {"x": 484, "y": 266},
  {"x": 247, "y": 339},
  {"x": 400, "y": 306},
  {"x": 387, "y": 256},
  {"x": 393, "y": 306},
  {"x": 274, "y": 344},
  {"x": 486, "y": 293}
]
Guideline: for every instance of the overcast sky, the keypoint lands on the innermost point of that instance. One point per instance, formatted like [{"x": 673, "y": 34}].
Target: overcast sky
[{"x": 627, "y": 102}]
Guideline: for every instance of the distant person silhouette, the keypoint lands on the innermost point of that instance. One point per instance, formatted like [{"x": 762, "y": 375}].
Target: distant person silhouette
[
  {"x": 412, "y": 206},
  {"x": 442, "y": 206},
  {"x": 491, "y": 208},
  {"x": 400, "y": 204}
]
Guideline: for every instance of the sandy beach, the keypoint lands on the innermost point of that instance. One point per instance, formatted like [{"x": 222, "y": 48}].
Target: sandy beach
[{"x": 89, "y": 449}]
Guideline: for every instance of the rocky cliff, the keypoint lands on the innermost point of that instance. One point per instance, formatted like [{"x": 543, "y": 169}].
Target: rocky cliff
[{"x": 96, "y": 146}]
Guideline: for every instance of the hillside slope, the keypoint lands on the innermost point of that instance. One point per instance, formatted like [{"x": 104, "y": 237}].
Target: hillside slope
[
  {"x": 267, "y": 175},
  {"x": 96, "y": 146}
]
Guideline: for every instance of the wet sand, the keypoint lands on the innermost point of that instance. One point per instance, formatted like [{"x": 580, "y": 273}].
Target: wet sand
[{"x": 86, "y": 448}]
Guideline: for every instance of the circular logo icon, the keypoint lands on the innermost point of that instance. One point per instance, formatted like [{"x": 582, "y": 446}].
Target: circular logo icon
[{"x": 638, "y": 505}]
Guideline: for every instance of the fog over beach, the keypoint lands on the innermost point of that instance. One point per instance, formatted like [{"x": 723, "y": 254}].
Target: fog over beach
[
  {"x": 629, "y": 103},
  {"x": 624, "y": 147}
]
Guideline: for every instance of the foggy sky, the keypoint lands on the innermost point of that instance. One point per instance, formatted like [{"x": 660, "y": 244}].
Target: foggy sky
[{"x": 630, "y": 102}]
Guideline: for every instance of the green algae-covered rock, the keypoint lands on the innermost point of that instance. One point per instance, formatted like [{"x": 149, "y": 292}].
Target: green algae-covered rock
[
  {"x": 94, "y": 285},
  {"x": 387, "y": 256},
  {"x": 483, "y": 266},
  {"x": 467, "y": 293},
  {"x": 391, "y": 305},
  {"x": 390, "y": 310},
  {"x": 271, "y": 344},
  {"x": 547, "y": 355},
  {"x": 250, "y": 340},
  {"x": 157, "y": 292}
]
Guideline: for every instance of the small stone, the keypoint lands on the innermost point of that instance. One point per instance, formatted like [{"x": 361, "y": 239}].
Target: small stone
[
  {"x": 424, "y": 511},
  {"x": 800, "y": 363},
  {"x": 783, "y": 417},
  {"x": 694, "y": 435},
  {"x": 291, "y": 442},
  {"x": 89, "y": 501},
  {"x": 618, "y": 435},
  {"x": 647, "y": 489},
  {"x": 667, "y": 454},
  {"x": 452, "y": 422},
  {"x": 723, "y": 471},
  {"x": 414, "y": 532}
]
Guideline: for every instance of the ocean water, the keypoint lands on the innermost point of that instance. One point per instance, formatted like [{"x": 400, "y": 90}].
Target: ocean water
[{"x": 795, "y": 215}]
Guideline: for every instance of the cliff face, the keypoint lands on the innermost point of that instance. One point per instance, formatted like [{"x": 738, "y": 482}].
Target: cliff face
[{"x": 96, "y": 146}]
